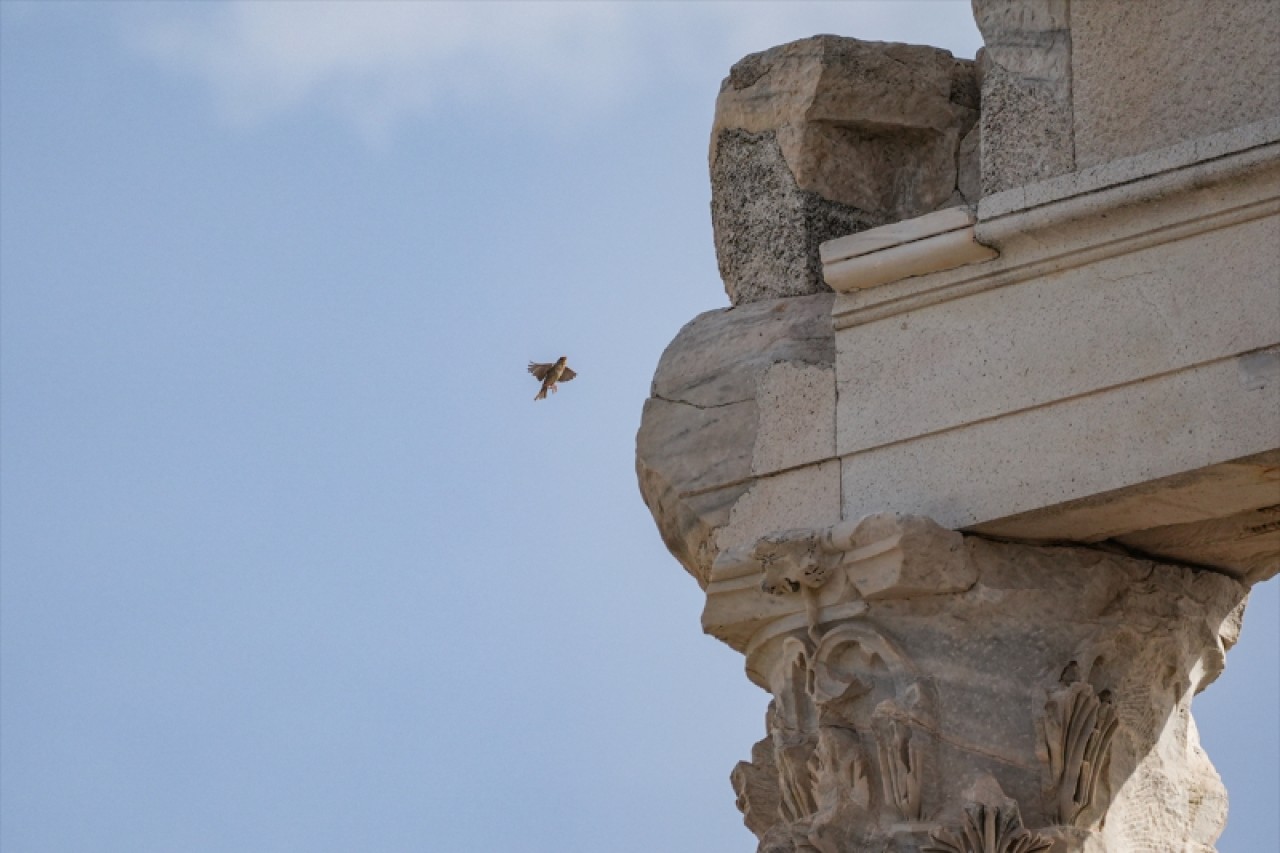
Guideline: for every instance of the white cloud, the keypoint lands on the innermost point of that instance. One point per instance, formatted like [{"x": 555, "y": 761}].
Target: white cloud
[{"x": 375, "y": 64}]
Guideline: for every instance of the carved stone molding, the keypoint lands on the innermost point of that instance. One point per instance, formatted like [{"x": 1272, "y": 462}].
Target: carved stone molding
[
  {"x": 1084, "y": 364},
  {"x": 807, "y": 576}
]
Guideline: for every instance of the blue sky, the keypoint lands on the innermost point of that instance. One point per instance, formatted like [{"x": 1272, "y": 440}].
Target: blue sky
[{"x": 290, "y": 559}]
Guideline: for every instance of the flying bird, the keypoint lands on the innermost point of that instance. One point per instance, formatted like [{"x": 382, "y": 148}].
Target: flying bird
[{"x": 550, "y": 374}]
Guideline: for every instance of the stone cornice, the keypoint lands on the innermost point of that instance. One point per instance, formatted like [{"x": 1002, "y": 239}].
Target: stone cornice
[
  {"x": 1118, "y": 208},
  {"x": 1053, "y": 411}
]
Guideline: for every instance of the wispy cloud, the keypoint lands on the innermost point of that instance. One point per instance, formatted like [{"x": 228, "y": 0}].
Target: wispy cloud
[{"x": 376, "y": 64}]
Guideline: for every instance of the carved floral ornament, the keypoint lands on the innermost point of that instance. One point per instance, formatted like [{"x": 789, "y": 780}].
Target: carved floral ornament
[
  {"x": 988, "y": 829},
  {"x": 794, "y": 559},
  {"x": 847, "y": 744},
  {"x": 847, "y": 713},
  {"x": 851, "y": 758},
  {"x": 1076, "y": 728}
]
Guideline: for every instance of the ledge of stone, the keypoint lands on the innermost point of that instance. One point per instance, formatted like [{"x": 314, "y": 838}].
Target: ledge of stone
[
  {"x": 1150, "y": 200},
  {"x": 1127, "y": 170},
  {"x": 932, "y": 243}
]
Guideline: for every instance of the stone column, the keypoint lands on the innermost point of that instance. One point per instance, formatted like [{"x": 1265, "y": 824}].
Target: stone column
[
  {"x": 825, "y": 136},
  {"x": 940, "y": 692}
]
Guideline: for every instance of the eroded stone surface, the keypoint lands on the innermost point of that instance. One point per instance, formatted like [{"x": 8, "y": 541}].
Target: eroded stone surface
[
  {"x": 703, "y": 444},
  {"x": 1026, "y": 127},
  {"x": 768, "y": 230},
  {"x": 1071, "y": 85},
  {"x": 1147, "y": 75},
  {"x": 1048, "y": 692},
  {"x": 824, "y": 137}
]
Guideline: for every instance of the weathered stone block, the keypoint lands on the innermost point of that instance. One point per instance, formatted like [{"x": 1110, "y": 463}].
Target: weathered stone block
[
  {"x": 1126, "y": 334},
  {"x": 826, "y": 136},
  {"x": 1026, "y": 122},
  {"x": 704, "y": 446},
  {"x": 1151, "y": 74},
  {"x": 1100, "y": 382},
  {"x": 920, "y": 558}
]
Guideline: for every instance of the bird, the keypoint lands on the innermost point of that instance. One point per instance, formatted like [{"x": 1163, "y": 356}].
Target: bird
[{"x": 550, "y": 374}]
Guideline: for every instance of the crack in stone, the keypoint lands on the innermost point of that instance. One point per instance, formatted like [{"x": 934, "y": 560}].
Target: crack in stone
[
  {"x": 700, "y": 408},
  {"x": 1106, "y": 546},
  {"x": 969, "y": 747}
]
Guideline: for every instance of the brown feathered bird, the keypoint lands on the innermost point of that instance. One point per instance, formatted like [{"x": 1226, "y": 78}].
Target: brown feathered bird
[{"x": 550, "y": 374}]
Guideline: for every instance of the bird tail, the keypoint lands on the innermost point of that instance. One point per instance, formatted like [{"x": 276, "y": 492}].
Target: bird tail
[{"x": 541, "y": 395}]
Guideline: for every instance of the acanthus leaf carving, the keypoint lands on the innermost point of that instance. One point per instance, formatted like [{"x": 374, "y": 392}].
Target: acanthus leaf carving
[
  {"x": 839, "y": 771},
  {"x": 899, "y": 766},
  {"x": 1077, "y": 726},
  {"x": 755, "y": 783},
  {"x": 988, "y": 829},
  {"x": 872, "y": 734},
  {"x": 847, "y": 730},
  {"x": 793, "y": 727}
]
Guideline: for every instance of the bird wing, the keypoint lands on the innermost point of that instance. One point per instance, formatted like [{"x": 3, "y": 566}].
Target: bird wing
[
  {"x": 539, "y": 371},
  {"x": 567, "y": 374}
]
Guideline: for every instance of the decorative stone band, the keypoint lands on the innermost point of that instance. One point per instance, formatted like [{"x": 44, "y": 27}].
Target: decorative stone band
[
  {"x": 937, "y": 241},
  {"x": 1216, "y": 153}
]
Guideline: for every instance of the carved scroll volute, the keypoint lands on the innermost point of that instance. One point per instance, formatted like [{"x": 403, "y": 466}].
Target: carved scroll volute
[
  {"x": 856, "y": 660},
  {"x": 863, "y": 682},
  {"x": 1077, "y": 725}
]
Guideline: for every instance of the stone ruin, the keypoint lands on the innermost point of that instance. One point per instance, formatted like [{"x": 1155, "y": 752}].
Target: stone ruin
[{"x": 979, "y": 467}]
